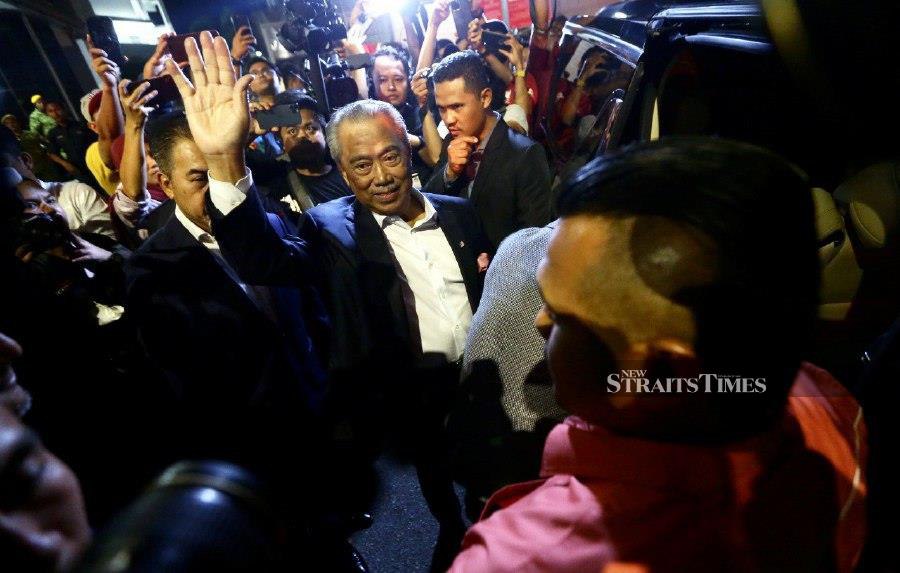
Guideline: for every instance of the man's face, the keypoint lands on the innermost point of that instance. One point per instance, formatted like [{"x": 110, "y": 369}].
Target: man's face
[
  {"x": 188, "y": 182},
  {"x": 265, "y": 80},
  {"x": 12, "y": 123},
  {"x": 43, "y": 524},
  {"x": 56, "y": 111},
  {"x": 578, "y": 355},
  {"x": 305, "y": 142},
  {"x": 390, "y": 80},
  {"x": 151, "y": 167},
  {"x": 39, "y": 201},
  {"x": 375, "y": 164},
  {"x": 463, "y": 111}
]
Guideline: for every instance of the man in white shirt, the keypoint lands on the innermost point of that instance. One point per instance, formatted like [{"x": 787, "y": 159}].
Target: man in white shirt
[{"x": 401, "y": 274}]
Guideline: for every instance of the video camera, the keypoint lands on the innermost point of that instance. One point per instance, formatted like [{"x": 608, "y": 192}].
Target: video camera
[{"x": 314, "y": 27}]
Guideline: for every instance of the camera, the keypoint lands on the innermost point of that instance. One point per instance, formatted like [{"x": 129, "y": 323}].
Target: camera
[
  {"x": 315, "y": 27},
  {"x": 43, "y": 232}
]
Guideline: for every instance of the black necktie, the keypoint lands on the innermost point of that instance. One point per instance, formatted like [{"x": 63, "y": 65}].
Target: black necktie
[{"x": 473, "y": 163}]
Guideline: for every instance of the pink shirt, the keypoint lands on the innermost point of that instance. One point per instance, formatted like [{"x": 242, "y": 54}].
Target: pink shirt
[{"x": 791, "y": 499}]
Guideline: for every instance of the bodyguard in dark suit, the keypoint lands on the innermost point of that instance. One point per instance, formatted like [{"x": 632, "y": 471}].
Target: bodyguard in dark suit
[
  {"x": 504, "y": 174},
  {"x": 240, "y": 362},
  {"x": 401, "y": 274}
]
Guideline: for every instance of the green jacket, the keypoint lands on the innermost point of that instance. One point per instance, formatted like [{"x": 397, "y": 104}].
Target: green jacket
[{"x": 40, "y": 123}]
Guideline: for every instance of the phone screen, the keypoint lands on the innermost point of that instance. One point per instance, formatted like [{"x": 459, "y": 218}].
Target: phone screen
[{"x": 279, "y": 116}]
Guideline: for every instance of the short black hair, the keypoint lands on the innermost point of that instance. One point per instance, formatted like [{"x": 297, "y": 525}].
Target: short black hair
[
  {"x": 256, "y": 60},
  {"x": 757, "y": 315},
  {"x": 392, "y": 52},
  {"x": 465, "y": 64},
  {"x": 163, "y": 132},
  {"x": 302, "y": 100}
]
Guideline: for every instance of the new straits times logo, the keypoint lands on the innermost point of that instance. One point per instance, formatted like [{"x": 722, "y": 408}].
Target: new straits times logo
[{"x": 636, "y": 382}]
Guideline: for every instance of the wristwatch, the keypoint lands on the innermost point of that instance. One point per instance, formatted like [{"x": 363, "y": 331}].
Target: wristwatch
[{"x": 517, "y": 72}]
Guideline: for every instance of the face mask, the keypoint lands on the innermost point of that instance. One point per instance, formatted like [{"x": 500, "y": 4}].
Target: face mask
[{"x": 307, "y": 154}]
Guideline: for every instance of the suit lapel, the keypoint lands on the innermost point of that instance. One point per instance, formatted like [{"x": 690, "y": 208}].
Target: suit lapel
[
  {"x": 493, "y": 156},
  {"x": 381, "y": 285},
  {"x": 462, "y": 250}
]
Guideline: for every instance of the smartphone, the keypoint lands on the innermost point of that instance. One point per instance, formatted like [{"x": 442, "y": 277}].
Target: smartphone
[
  {"x": 103, "y": 36},
  {"x": 494, "y": 41},
  {"x": 164, "y": 85},
  {"x": 239, "y": 21},
  {"x": 175, "y": 45},
  {"x": 462, "y": 15},
  {"x": 279, "y": 116}
]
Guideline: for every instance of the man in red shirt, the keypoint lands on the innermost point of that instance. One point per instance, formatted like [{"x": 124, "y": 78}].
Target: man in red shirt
[{"x": 698, "y": 441}]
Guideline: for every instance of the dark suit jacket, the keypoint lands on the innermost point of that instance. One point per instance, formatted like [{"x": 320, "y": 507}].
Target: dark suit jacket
[
  {"x": 511, "y": 190},
  {"x": 237, "y": 379}
]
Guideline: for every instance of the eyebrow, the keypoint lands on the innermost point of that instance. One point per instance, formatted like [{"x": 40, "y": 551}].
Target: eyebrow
[{"x": 382, "y": 152}]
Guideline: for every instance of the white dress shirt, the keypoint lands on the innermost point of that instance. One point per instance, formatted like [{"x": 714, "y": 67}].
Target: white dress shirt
[
  {"x": 229, "y": 196},
  {"x": 431, "y": 273},
  {"x": 84, "y": 208}
]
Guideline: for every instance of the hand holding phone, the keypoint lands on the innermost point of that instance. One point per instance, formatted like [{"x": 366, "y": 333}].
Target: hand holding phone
[
  {"x": 103, "y": 36},
  {"x": 283, "y": 115}
]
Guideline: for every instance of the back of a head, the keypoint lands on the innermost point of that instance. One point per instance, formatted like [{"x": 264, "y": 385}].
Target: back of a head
[
  {"x": 755, "y": 318},
  {"x": 163, "y": 133},
  {"x": 467, "y": 65}
]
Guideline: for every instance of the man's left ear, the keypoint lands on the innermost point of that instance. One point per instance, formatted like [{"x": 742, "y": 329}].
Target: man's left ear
[
  {"x": 671, "y": 358},
  {"x": 486, "y": 96},
  {"x": 663, "y": 358}
]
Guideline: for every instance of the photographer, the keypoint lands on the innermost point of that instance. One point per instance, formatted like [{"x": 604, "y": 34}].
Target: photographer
[
  {"x": 84, "y": 209},
  {"x": 311, "y": 177}
]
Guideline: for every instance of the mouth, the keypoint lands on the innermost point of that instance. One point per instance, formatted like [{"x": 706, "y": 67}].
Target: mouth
[
  {"x": 454, "y": 131},
  {"x": 386, "y": 196}
]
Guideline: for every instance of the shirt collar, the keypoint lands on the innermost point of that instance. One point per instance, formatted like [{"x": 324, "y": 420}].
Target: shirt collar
[
  {"x": 430, "y": 213},
  {"x": 581, "y": 449},
  {"x": 483, "y": 143},
  {"x": 192, "y": 228}
]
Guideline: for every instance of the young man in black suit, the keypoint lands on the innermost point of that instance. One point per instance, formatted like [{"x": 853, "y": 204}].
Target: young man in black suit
[
  {"x": 504, "y": 174},
  {"x": 401, "y": 273},
  {"x": 240, "y": 358}
]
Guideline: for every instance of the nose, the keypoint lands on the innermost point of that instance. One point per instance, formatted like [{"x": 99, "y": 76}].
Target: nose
[
  {"x": 46, "y": 207},
  {"x": 543, "y": 323},
  {"x": 382, "y": 175}
]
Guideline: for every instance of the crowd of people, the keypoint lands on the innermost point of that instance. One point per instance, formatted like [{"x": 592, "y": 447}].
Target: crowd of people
[{"x": 182, "y": 283}]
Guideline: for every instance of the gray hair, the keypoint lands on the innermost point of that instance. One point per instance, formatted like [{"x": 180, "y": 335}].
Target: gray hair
[{"x": 358, "y": 111}]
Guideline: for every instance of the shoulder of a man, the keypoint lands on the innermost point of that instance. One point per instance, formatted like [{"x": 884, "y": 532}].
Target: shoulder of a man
[{"x": 554, "y": 525}]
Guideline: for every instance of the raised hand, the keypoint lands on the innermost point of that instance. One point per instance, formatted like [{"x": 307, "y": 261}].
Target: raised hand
[
  {"x": 215, "y": 105},
  {"x": 134, "y": 105},
  {"x": 107, "y": 70},
  {"x": 157, "y": 62},
  {"x": 458, "y": 153},
  {"x": 419, "y": 86},
  {"x": 514, "y": 52},
  {"x": 241, "y": 42},
  {"x": 475, "y": 35},
  {"x": 440, "y": 12}
]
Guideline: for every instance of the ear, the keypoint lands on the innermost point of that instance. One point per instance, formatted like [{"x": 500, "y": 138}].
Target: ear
[
  {"x": 666, "y": 358},
  {"x": 166, "y": 185},
  {"x": 486, "y": 96},
  {"x": 27, "y": 160}
]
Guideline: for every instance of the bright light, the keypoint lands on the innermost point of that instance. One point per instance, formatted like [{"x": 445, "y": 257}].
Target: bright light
[
  {"x": 208, "y": 495},
  {"x": 619, "y": 15},
  {"x": 134, "y": 32},
  {"x": 376, "y": 8}
]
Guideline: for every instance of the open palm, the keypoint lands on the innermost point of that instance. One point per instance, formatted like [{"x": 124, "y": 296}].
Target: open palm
[{"x": 215, "y": 103}]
